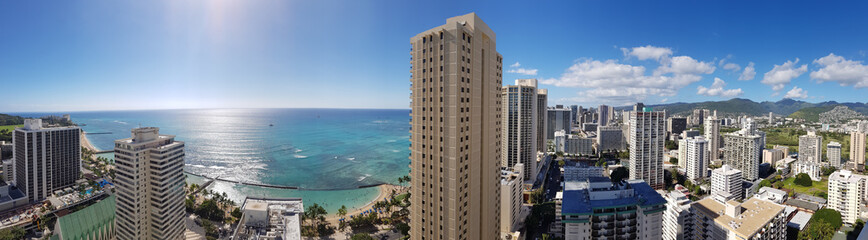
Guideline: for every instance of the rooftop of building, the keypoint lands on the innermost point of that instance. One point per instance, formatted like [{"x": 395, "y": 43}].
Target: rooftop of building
[
  {"x": 81, "y": 224},
  {"x": 845, "y": 176},
  {"x": 283, "y": 216},
  {"x": 576, "y": 198},
  {"x": 800, "y": 220},
  {"x": 802, "y": 204},
  {"x": 754, "y": 214},
  {"x": 14, "y": 193},
  {"x": 726, "y": 170}
]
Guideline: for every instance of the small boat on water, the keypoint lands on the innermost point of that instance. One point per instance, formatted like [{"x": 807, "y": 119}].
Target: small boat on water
[{"x": 271, "y": 125}]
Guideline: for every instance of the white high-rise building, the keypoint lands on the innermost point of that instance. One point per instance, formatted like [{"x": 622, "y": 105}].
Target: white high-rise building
[
  {"x": 510, "y": 199},
  {"x": 647, "y": 136},
  {"x": 455, "y": 126},
  {"x": 811, "y": 147},
  {"x": 712, "y": 134},
  {"x": 833, "y": 154},
  {"x": 696, "y": 158},
  {"x": 846, "y": 192},
  {"x": 726, "y": 181},
  {"x": 46, "y": 159},
  {"x": 518, "y": 142},
  {"x": 743, "y": 151},
  {"x": 560, "y": 141},
  {"x": 677, "y": 219},
  {"x": 682, "y": 153},
  {"x": 150, "y": 185}
]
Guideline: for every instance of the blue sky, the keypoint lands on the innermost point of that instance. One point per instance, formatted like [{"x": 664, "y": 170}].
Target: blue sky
[{"x": 117, "y": 55}]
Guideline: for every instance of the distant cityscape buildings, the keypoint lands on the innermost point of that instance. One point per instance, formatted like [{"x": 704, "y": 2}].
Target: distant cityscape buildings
[{"x": 558, "y": 119}]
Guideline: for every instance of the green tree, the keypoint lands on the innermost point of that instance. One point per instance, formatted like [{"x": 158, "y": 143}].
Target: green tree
[
  {"x": 236, "y": 213},
  {"x": 619, "y": 174},
  {"x": 673, "y": 160},
  {"x": 765, "y": 183},
  {"x": 403, "y": 227},
  {"x": 830, "y": 216},
  {"x": 671, "y": 145},
  {"x": 818, "y": 230},
  {"x": 12, "y": 233},
  {"x": 802, "y": 179},
  {"x": 362, "y": 236}
]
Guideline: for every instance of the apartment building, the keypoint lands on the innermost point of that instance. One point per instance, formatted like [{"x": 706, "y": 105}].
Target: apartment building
[
  {"x": 596, "y": 208},
  {"x": 647, "y": 135}
]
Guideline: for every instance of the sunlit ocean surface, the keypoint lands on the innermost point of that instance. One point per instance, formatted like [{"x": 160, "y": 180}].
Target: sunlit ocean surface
[{"x": 307, "y": 148}]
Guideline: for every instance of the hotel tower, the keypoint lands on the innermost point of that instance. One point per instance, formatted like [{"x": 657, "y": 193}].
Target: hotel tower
[
  {"x": 150, "y": 185},
  {"x": 455, "y": 131},
  {"x": 46, "y": 159}
]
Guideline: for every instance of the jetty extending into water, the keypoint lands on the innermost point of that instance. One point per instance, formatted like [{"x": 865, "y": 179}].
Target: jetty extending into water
[{"x": 212, "y": 179}]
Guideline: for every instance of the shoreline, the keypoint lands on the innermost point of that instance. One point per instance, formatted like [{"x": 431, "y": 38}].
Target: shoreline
[
  {"x": 86, "y": 142},
  {"x": 383, "y": 192}
]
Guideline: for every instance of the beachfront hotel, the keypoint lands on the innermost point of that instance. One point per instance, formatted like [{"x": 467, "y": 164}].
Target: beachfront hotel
[
  {"x": 46, "y": 159},
  {"x": 150, "y": 185},
  {"x": 455, "y": 131}
]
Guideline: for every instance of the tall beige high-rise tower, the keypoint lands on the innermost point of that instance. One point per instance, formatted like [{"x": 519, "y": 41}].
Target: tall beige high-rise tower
[
  {"x": 857, "y": 146},
  {"x": 150, "y": 185},
  {"x": 455, "y": 131},
  {"x": 712, "y": 134}
]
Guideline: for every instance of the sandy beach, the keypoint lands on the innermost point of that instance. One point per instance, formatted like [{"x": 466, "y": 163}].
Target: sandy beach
[
  {"x": 384, "y": 191},
  {"x": 86, "y": 143}
]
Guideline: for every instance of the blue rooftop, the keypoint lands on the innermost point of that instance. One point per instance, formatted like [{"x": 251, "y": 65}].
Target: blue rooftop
[{"x": 576, "y": 200}]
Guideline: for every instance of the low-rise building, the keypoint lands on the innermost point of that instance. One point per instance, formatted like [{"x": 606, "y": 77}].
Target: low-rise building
[
  {"x": 753, "y": 219},
  {"x": 772, "y": 156},
  {"x": 511, "y": 199},
  {"x": 599, "y": 209},
  {"x": 578, "y": 173},
  {"x": 11, "y": 197},
  {"x": 270, "y": 218},
  {"x": 771, "y": 195},
  {"x": 95, "y": 222},
  {"x": 813, "y": 169}
]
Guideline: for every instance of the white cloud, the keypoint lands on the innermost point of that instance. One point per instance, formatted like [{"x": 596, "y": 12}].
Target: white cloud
[
  {"x": 844, "y": 72},
  {"x": 797, "y": 93},
  {"x": 781, "y": 75},
  {"x": 612, "y": 82},
  {"x": 684, "y": 65},
  {"x": 749, "y": 72},
  {"x": 648, "y": 52},
  {"x": 732, "y": 67},
  {"x": 523, "y": 71},
  {"x": 515, "y": 68},
  {"x": 716, "y": 89}
]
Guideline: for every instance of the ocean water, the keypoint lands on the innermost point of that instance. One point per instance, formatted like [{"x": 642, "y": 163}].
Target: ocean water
[{"x": 331, "y": 150}]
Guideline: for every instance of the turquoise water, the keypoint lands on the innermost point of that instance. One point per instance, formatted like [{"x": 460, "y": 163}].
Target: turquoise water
[{"x": 307, "y": 148}]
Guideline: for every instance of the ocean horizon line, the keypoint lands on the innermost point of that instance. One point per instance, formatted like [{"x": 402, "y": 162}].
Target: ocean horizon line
[{"x": 171, "y": 109}]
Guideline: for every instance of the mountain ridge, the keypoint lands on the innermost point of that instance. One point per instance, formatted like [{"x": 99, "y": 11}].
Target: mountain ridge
[{"x": 741, "y": 106}]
